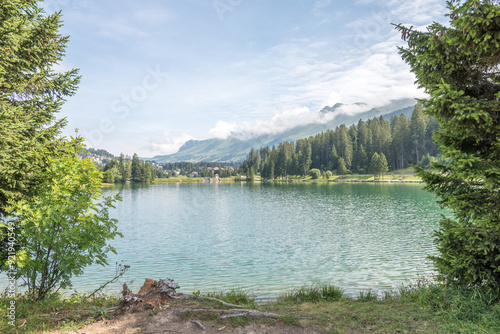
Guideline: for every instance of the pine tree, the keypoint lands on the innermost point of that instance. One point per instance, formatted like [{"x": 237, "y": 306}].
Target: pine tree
[
  {"x": 60, "y": 220},
  {"x": 418, "y": 129},
  {"x": 342, "y": 169},
  {"x": 136, "y": 169},
  {"x": 458, "y": 65},
  {"x": 345, "y": 149},
  {"x": 31, "y": 93},
  {"x": 400, "y": 141},
  {"x": 378, "y": 165}
]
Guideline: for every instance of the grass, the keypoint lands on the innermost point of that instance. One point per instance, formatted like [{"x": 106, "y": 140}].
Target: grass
[
  {"x": 54, "y": 312},
  {"x": 423, "y": 307},
  {"x": 234, "y": 296},
  {"x": 311, "y": 294},
  {"x": 179, "y": 179}
]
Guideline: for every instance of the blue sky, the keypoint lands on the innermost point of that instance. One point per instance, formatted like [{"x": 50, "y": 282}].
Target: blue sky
[{"x": 157, "y": 73}]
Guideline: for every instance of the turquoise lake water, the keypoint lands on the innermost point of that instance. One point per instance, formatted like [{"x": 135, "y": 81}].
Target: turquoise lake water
[{"x": 266, "y": 238}]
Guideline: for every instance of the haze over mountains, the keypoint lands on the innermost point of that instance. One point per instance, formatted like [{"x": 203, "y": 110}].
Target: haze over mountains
[{"x": 236, "y": 147}]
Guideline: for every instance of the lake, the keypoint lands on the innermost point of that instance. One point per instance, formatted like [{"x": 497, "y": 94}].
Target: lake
[{"x": 266, "y": 238}]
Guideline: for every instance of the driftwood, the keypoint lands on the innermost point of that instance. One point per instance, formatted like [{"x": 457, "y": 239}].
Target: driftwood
[
  {"x": 186, "y": 296},
  {"x": 231, "y": 313},
  {"x": 156, "y": 294},
  {"x": 153, "y": 294}
]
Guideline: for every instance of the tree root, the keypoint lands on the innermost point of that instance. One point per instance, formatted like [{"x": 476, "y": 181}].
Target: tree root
[
  {"x": 199, "y": 324},
  {"x": 187, "y": 296},
  {"x": 225, "y": 314}
]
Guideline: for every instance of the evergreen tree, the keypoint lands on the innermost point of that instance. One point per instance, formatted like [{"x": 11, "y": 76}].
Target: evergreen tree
[
  {"x": 50, "y": 196},
  {"x": 392, "y": 138},
  {"x": 31, "y": 93},
  {"x": 149, "y": 175},
  {"x": 361, "y": 159},
  {"x": 342, "y": 169},
  {"x": 458, "y": 65},
  {"x": 136, "y": 169},
  {"x": 271, "y": 170},
  {"x": 108, "y": 177},
  {"x": 401, "y": 142},
  {"x": 345, "y": 149},
  {"x": 417, "y": 132},
  {"x": 250, "y": 174},
  {"x": 378, "y": 165},
  {"x": 332, "y": 164},
  {"x": 305, "y": 156},
  {"x": 124, "y": 168},
  {"x": 364, "y": 137}
]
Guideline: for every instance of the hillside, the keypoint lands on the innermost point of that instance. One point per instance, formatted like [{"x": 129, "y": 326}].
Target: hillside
[{"x": 235, "y": 150}]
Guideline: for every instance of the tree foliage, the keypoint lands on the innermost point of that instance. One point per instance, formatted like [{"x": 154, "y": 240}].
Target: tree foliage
[
  {"x": 31, "y": 93},
  {"x": 378, "y": 165},
  {"x": 47, "y": 193},
  {"x": 348, "y": 149},
  {"x": 64, "y": 227},
  {"x": 315, "y": 173},
  {"x": 458, "y": 65},
  {"x": 342, "y": 169}
]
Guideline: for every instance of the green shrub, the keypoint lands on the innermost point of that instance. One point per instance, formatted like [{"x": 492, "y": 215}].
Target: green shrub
[{"x": 315, "y": 173}]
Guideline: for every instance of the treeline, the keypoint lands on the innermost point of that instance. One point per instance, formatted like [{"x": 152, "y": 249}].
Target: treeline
[
  {"x": 126, "y": 169},
  {"x": 133, "y": 169},
  {"x": 400, "y": 140}
]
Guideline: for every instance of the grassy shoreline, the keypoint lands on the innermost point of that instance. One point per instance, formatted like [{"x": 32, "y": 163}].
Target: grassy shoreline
[
  {"x": 406, "y": 175},
  {"x": 423, "y": 307},
  {"x": 410, "y": 178}
]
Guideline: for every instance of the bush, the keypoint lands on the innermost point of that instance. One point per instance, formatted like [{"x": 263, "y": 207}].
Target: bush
[
  {"x": 64, "y": 228},
  {"x": 108, "y": 177},
  {"x": 315, "y": 173},
  {"x": 426, "y": 161}
]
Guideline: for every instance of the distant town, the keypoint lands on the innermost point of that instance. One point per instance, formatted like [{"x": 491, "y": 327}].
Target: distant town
[{"x": 121, "y": 169}]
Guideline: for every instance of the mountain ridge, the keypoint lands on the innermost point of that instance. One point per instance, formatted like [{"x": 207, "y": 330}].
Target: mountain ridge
[{"x": 234, "y": 149}]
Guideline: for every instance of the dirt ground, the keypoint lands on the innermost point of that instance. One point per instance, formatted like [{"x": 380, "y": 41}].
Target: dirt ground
[
  {"x": 156, "y": 308},
  {"x": 164, "y": 322}
]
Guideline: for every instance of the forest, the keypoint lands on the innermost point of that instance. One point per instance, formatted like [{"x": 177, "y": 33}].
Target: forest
[{"x": 401, "y": 141}]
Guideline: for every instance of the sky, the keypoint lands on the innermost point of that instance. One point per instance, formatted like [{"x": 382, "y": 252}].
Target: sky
[{"x": 157, "y": 73}]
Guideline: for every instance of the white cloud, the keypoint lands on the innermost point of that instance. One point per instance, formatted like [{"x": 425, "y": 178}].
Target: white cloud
[
  {"x": 167, "y": 143},
  {"x": 374, "y": 80},
  {"x": 223, "y": 130},
  {"x": 229, "y": 80}
]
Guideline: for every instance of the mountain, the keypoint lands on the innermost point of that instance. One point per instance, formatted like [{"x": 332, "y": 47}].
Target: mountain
[{"x": 235, "y": 150}]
